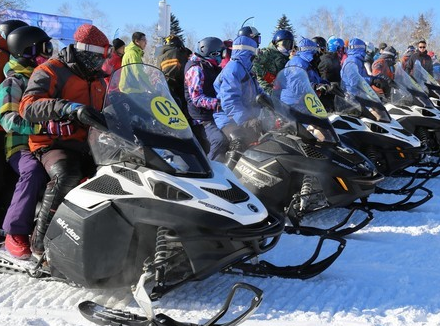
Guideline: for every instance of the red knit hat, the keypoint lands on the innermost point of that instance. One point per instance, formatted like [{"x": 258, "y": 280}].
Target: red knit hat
[{"x": 91, "y": 35}]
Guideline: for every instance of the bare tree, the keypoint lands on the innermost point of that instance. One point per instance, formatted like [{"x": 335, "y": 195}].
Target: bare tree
[
  {"x": 230, "y": 31},
  {"x": 12, "y": 4},
  {"x": 399, "y": 32}
]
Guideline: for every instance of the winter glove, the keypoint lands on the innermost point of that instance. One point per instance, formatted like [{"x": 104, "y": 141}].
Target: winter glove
[
  {"x": 335, "y": 89},
  {"x": 380, "y": 82},
  {"x": 70, "y": 108},
  {"x": 60, "y": 128}
]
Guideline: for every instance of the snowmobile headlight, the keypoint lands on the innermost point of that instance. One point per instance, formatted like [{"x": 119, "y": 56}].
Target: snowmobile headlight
[
  {"x": 320, "y": 134},
  {"x": 174, "y": 160}
]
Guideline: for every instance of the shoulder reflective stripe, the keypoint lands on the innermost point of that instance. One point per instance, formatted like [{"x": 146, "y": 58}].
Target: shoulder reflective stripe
[{"x": 244, "y": 47}]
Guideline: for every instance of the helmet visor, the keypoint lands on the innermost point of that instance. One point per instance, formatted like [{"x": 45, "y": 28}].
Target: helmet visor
[{"x": 286, "y": 44}]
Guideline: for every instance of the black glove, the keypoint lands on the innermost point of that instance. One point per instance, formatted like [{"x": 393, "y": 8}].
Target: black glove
[
  {"x": 322, "y": 88},
  {"x": 335, "y": 89},
  {"x": 380, "y": 82}
]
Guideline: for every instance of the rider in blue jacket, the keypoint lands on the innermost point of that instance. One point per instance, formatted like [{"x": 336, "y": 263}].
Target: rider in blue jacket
[
  {"x": 357, "y": 49},
  {"x": 237, "y": 88},
  {"x": 307, "y": 57}
]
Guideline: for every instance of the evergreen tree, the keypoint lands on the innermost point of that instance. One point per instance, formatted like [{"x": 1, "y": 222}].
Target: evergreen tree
[
  {"x": 175, "y": 27},
  {"x": 284, "y": 23},
  {"x": 422, "y": 30}
]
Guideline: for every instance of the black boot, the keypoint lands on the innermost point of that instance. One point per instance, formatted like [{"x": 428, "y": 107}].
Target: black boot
[
  {"x": 66, "y": 175},
  {"x": 44, "y": 217}
]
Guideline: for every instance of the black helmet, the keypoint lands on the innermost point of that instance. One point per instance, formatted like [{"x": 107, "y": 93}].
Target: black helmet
[
  {"x": 29, "y": 42},
  {"x": 321, "y": 42},
  {"x": 389, "y": 53},
  {"x": 209, "y": 46},
  {"x": 251, "y": 32},
  {"x": 8, "y": 26}
]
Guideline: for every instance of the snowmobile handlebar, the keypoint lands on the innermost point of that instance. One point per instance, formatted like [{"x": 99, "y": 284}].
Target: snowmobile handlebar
[
  {"x": 91, "y": 117},
  {"x": 265, "y": 100}
]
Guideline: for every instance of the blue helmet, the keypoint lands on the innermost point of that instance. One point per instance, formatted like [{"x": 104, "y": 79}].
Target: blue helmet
[
  {"x": 251, "y": 32},
  {"x": 281, "y": 35},
  {"x": 334, "y": 44}
]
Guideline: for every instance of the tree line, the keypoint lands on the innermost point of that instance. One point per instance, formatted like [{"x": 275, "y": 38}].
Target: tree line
[{"x": 399, "y": 32}]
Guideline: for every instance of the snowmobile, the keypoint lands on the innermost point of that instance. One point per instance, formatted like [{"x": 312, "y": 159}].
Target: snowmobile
[
  {"x": 412, "y": 108},
  {"x": 362, "y": 122},
  {"x": 427, "y": 82},
  {"x": 157, "y": 210},
  {"x": 299, "y": 165}
]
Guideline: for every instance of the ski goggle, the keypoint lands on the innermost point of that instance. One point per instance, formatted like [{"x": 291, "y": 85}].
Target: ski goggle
[
  {"x": 287, "y": 44},
  {"x": 105, "y": 51},
  {"x": 215, "y": 53},
  {"x": 44, "y": 49}
]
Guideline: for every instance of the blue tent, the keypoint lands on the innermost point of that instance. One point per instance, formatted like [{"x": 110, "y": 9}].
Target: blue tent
[{"x": 59, "y": 28}]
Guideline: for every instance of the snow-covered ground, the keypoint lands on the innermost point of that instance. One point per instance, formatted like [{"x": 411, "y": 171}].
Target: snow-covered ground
[{"x": 388, "y": 275}]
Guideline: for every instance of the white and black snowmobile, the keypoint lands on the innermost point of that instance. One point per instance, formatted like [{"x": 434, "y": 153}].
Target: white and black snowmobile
[
  {"x": 412, "y": 108},
  {"x": 157, "y": 209},
  {"x": 300, "y": 165},
  {"x": 429, "y": 84},
  {"x": 362, "y": 122}
]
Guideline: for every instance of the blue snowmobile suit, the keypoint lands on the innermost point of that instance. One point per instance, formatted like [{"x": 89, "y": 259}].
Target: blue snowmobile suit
[
  {"x": 237, "y": 87},
  {"x": 302, "y": 60},
  {"x": 356, "y": 57}
]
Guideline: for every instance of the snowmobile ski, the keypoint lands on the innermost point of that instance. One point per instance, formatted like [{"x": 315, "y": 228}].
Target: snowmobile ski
[
  {"x": 306, "y": 270},
  {"x": 106, "y": 316}
]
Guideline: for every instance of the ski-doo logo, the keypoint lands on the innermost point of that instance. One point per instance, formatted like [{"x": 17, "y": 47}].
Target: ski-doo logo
[
  {"x": 253, "y": 208},
  {"x": 70, "y": 232}
]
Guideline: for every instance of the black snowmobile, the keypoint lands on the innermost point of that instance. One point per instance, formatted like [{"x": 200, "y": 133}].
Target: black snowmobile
[
  {"x": 157, "y": 210},
  {"x": 300, "y": 165}
]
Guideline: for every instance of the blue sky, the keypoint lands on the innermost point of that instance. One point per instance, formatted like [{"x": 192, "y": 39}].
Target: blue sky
[{"x": 198, "y": 17}]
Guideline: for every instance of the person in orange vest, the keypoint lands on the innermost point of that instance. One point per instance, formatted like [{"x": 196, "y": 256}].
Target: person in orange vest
[
  {"x": 57, "y": 89},
  {"x": 384, "y": 66}
]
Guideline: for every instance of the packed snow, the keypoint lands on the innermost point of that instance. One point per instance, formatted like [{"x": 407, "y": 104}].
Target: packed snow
[{"x": 388, "y": 275}]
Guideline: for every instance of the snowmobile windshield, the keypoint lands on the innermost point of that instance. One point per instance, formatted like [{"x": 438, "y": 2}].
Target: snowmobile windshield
[
  {"x": 296, "y": 103},
  {"x": 145, "y": 126},
  {"x": 407, "y": 91},
  {"x": 360, "y": 98},
  {"x": 423, "y": 77}
]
